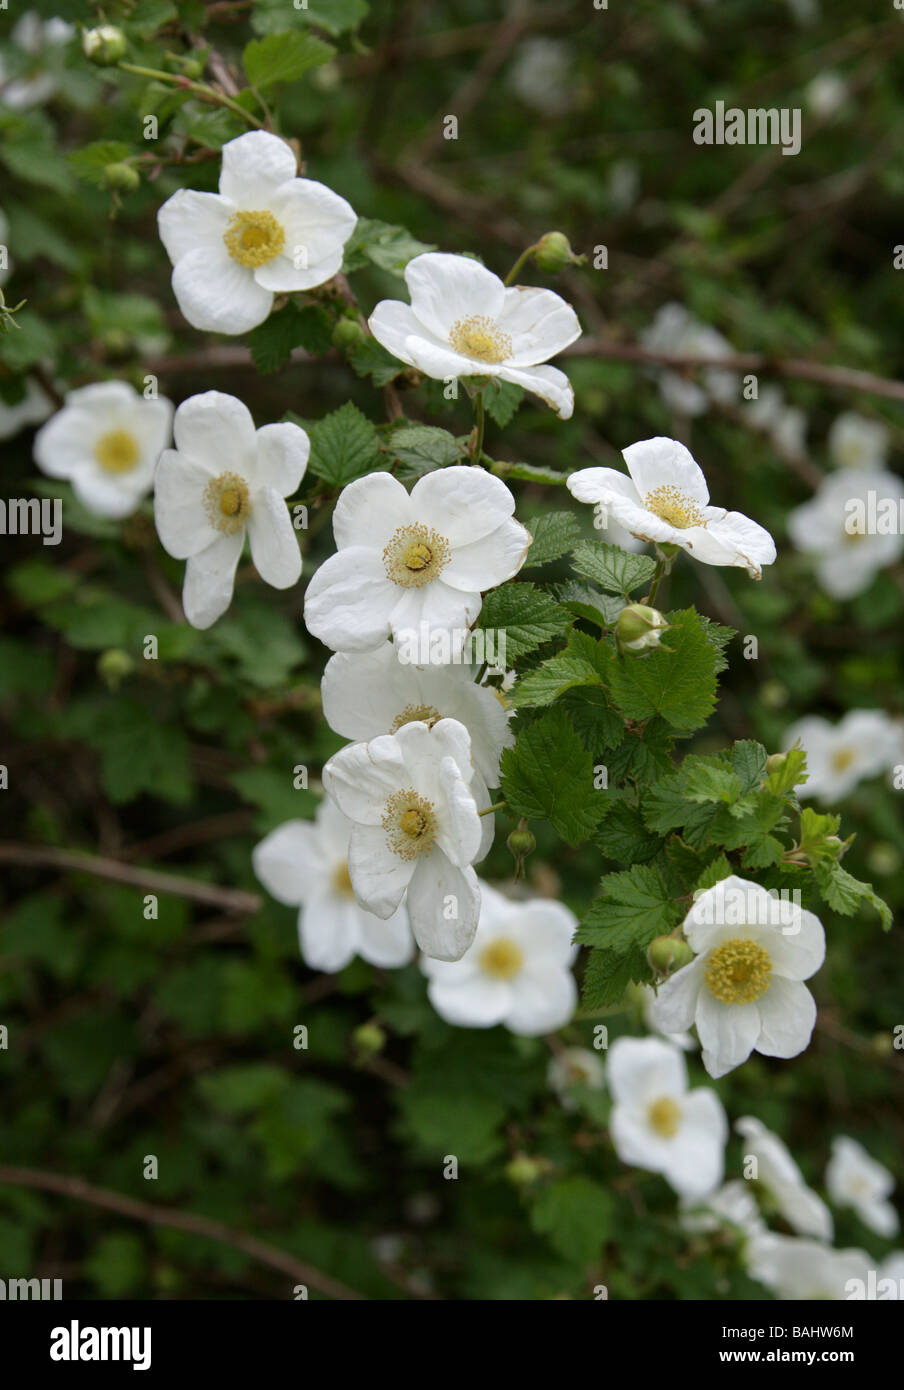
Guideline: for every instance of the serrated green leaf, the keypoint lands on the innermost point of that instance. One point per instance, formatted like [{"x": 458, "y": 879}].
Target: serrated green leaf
[
  {"x": 554, "y": 533},
  {"x": 502, "y": 399},
  {"x": 579, "y": 664},
  {"x": 344, "y": 446},
  {"x": 549, "y": 775},
  {"x": 845, "y": 894},
  {"x": 527, "y": 616},
  {"x": 676, "y": 680},
  {"x": 575, "y": 1213},
  {"x": 584, "y": 602},
  {"x": 615, "y": 570},
  {"x": 283, "y": 57},
  {"x": 423, "y": 447}
]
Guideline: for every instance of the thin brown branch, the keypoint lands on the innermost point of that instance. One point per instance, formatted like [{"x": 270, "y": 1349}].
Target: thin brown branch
[
  {"x": 70, "y": 861},
  {"x": 298, "y": 1270}
]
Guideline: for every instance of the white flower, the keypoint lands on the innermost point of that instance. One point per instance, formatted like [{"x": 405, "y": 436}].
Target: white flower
[
  {"x": 804, "y": 1211},
  {"x": 222, "y": 478},
  {"x": 34, "y": 36},
  {"x": 733, "y": 1204},
  {"x": 647, "y": 996},
  {"x": 805, "y": 1269},
  {"x": 266, "y": 232},
  {"x": 862, "y": 744},
  {"x": 405, "y": 560},
  {"x": 575, "y": 1066},
  {"x": 676, "y": 333},
  {"x": 463, "y": 321},
  {"x": 517, "y": 971},
  {"x": 858, "y": 442},
  {"x": 416, "y": 830},
  {"x": 666, "y": 500},
  {"x": 541, "y": 75},
  {"x": 789, "y": 431},
  {"x": 33, "y": 409},
  {"x": 825, "y": 93},
  {"x": 105, "y": 441},
  {"x": 856, "y": 1180},
  {"x": 839, "y": 525},
  {"x": 368, "y": 694},
  {"x": 744, "y": 991},
  {"x": 656, "y": 1123},
  {"x": 304, "y": 864}
]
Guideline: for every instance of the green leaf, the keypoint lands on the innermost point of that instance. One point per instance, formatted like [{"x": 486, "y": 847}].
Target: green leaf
[
  {"x": 333, "y": 16},
  {"x": 527, "y": 616},
  {"x": 371, "y": 359},
  {"x": 344, "y": 446},
  {"x": 549, "y": 775},
  {"x": 554, "y": 533},
  {"x": 748, "y": 758},
  {"x": 575, "y": 1214},
  {"x": 382, "y": 244},
  {"x": 716, "y": 870},
  {"x": 791, "y": 774},
  {"x": 423, "y": 447},
  {"x": 844, "y": 893},
  {"x": 283, "y": 57},
  {"x": 624, "y": 837},
  {"x": 89, "y": 163},
  {"x": 271, "y": 343},
  {"x": 501, "y": 400},
  {"x": 719, "y": 637},
  {"x": 579, "y": 664},
  {"x": 676, "y": 681},
  {"x": 636, "y": 906},
  {"x": 615, "y": 570},
  {"x": 584, "y": 602}
]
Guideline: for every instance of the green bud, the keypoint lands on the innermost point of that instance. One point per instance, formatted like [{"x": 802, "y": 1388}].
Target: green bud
[
  {"x": 192, "y": 68},
  {"x": 104, "y": 45},
  {"x": 639, "y": 627},
  {"x": 776, "y": 761},
  {"x": 348, "y": 334},
  {"x": 554, "y": 253},
  {"x": 113, "y": 666},
  {"x": 369, "y": 1038},
  {"x": 521, "y": 842},
  {"x": 667, "y": 954},
  {"x": 123, "y": 178},
  {"x": 522, "y": 1170}
]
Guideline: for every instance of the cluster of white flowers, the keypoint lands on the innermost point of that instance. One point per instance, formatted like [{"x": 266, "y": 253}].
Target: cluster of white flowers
[
  {"x": 852, "y": 525},
  {"x": 35, "y": 38},
  {"x": 864, "y": 743}
]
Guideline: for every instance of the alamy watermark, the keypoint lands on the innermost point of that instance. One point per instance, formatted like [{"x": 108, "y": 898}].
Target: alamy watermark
[
  {"x": 754, "y": 126},
  {"x": 32, "y": 516},
  {"x": 457, "y": 646}
]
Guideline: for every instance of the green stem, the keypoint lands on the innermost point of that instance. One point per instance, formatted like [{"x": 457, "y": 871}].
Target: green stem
[
  {"x": 198, "y": 89},
  {"x": 497, "y": 806},
  {"x": 522, "y": 260},
  {"x": 480, "y": 413}
]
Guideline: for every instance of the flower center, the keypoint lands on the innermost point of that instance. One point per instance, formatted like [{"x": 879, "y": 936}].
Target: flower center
[
  {"x": 415, "y": 555},
  {"x": 674, "y": 506},
  {"x": 502, "y": 958},
  {"x": 342, "y": 882},
  {"x": 254, "y": 238},
  {"x": 738, "y": 971},
  {"x": 117, "y": 452},
  {"x": 842, "y": 759},
  {"x": 226, "y": 502},
  {"x": 410, "y": 824},
  {"x": 480, "y": 338},
  {"x": 425, "y": 714},
  {"x": 664, "y": 1117}
]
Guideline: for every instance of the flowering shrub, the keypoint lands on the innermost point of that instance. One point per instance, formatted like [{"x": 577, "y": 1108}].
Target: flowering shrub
[{"x": 440, "y": 889}]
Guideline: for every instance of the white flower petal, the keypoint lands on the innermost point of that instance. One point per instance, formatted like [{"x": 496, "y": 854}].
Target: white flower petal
[
  {"x": 445, "y": 288},
  {"x": 362, "y": 778},
  {"x": 662, "y": 462},
  {"x": 254, "y": 166},
  {"x": 489, "y": 561},
  {"x": 386, "y": 942},
  {"x": 470, "y": 1001},
  {"x": 282, "y": 456},
  {"x": 641, "y": 1069},
  {"x": 379, "y": 877},
  {"x": 328, "y": 934},
  {"x": 188, "y": 221},
  {"x": 549, "y": 383},
  {"x": 393, "y": 323},
  {"x": 274, "y": 545},
  {"x": 180, "y": 515},
  {"x": 728, "y": 1032},
  {"x": 463, "y": 504},
  {"x": 603, "y": 485},
  {"x": 787, "y": 1017},
  {"x": 317, "y": 223},
  {"x": 369, "y": 511},
  {"x": 539, "y": 323},
  {"x": 443, "y": 906},
  {"x": 218, "y": 295},
  {"x": 216, "y": 430},
  {"x": 349, "y": 601},
  {"x": 209, "y": 579},
  {"x": 674, "y": 1008},
  {"x": 103, "y": 495},
  {"x": 542, "y": 1001},
  {"x": 288, "y": 861}
]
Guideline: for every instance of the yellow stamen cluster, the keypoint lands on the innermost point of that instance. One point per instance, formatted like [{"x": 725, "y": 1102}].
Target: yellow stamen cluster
[
  {"x": 739, "y": 971},
  {"x": 480, "y": 338},
  {"x": 425, "y": 714},
  {"x": 842, "y": 759},
  {"x": 342, "y": 881},
  {"x": 664, "y": 1117},
  {"x": 672, "y": 505},
  {"x": 117, "y": 452},
  {"x": 502, "y": 958},
  {"x": 415, "y": 555},
  {"x": 410, "y": 824},
  {"x": 226, "y": 502},
  {"x": 254, "y": 238}
]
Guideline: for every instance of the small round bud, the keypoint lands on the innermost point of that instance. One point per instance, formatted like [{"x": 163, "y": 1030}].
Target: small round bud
[
  {"x": 122, "y": 178},
  {"x": 369, "y": 1038},
  {"x": 667, "y": 954},
  {"x": 522, "y": 1170},
  {"x": 521, "y": 842},
  {"x": 104, "y": 45},
  {"x": 639, "y": 628},
  {"x": 192, "y": 68},
  {"x": 347, "y": 335},
  {"x": 113, "y": 666},
  {"x": 554, "y": 253},
  {"x": 776, "y": 761}
]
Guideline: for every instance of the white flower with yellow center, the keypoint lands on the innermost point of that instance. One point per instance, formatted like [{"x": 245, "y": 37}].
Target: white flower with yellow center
[
  {"x": 223, "y": 479},
  {"x": 744, "y": 991},
  {"x": 371, "y": 693},
  {"x": 855, "y": 441},
  {"x": 665, "y": 499},
  {"x": 266, "y": 232},
  {"x": 463, "y": 321},
  {"x": 304, "y": 864},
  {"x": 806, "y": 1269},
  {"x": 862, "y": 744},
  {"x": 782, "y": 1181},
  {"x": 517, "y": 971},
  {"x": 840, "y": 527},
  {"x": 416, "y": 830},
  {"x": 105, "y": 441},
  {"x": 411, "y": 563},
  {"x": 657, "y": 1123},
  {"x": 575, "y": 1067},
  {"x": 854, "y": 1179}
]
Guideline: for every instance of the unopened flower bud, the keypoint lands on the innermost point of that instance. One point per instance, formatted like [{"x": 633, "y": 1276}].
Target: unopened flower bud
[
  {"x": 776, "y": 761},
  {"x": 667, "y": 954},
  {"x": 104, "y": 45},
  {"x": 123, "y": 178},
  {"x": 554, "y": 253},
  {"x": 521, "y": 842},
  {"x": 639, "y": 627},
  {"x": 522, "y": 1170},
  {"x": 347, "y": 335},
  {"x": 369, "y": 1039},
  {"x": 113, "y": 666}
]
